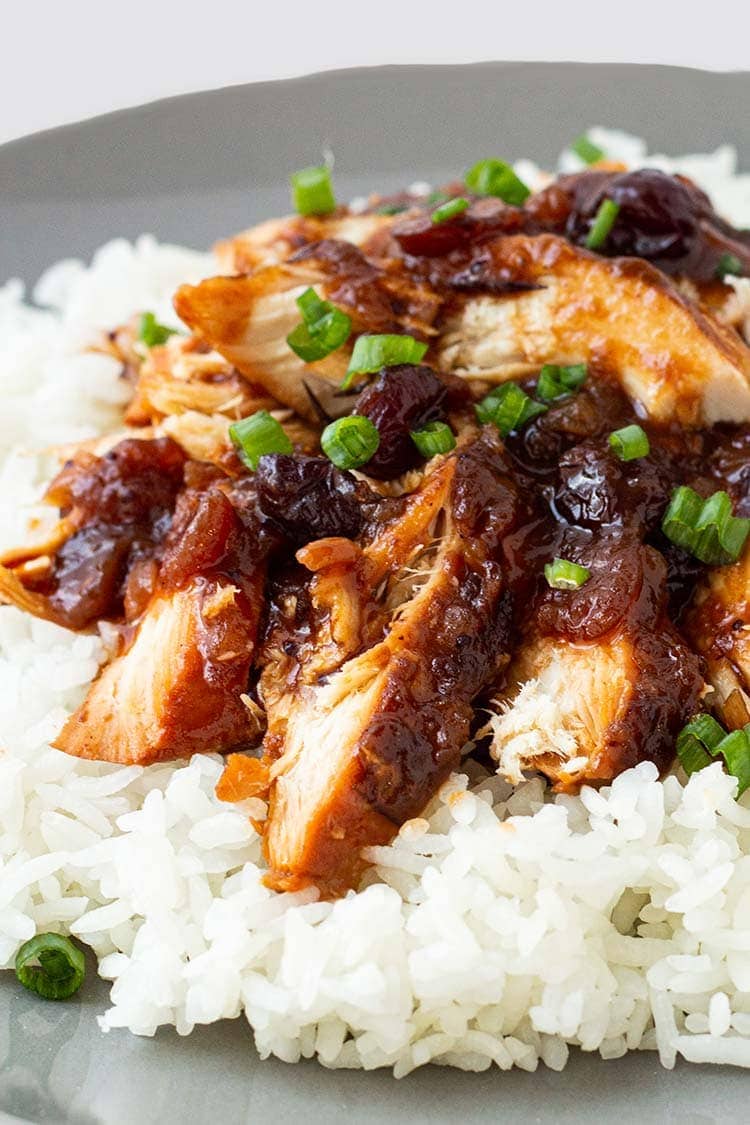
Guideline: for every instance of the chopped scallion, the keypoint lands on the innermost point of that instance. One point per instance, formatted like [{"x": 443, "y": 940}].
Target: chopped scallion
[
  {"x": 557, "y": 382},
  {"x": 705, "y": 528},
  {"x": 450, "y": 209},
  {"x": 51, "y": 966},
  {"x": 391, "y": 208},
  {"x": 603, "y": 223},
  {"x": 561, "y": 574},
  {"x": 257, "y": 435},
  {"x": 495, "y": 177},
  {"x": 629, "y": 443},
  {"x": 729, "y": 264},
  {"x": 735, "y": 750},
  {"x": 350, "y": 442},
  {"x": 151, "y": 333},
  {"x": 324, "y": 328},
  {"x": 703, "y": 739},
  {"x": 433, "y": 438},
  {"x": 312, "y": 191},
  {"x": 508, "y": 407},
  {"x": 373, "y": 352},
  {"x": 587, "y": 150}
]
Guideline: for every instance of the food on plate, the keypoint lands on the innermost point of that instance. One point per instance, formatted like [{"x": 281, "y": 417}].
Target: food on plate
[{"x": 384, "y": 617}]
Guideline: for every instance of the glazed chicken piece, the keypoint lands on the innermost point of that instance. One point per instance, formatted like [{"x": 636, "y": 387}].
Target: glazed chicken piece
[
  {"x": 372, "y": 666},
  {"x": 532, "y": 299},
  {"x": 273, "y": 241},
  {"x": 673, "y": 358},
  {"x": 174, "y": 554},
  {"x": 718, "y": 627},
  {"x": 247, "y": 319},
  {"x": 177, "y": 689},
  {"x": 602, "y": 679}
]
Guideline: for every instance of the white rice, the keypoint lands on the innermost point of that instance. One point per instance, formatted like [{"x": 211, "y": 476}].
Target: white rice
[{"x": 501, "y": 928}]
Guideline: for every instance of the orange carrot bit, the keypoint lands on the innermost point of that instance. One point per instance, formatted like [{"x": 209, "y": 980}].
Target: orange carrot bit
[{"x": 242, "y": 778}]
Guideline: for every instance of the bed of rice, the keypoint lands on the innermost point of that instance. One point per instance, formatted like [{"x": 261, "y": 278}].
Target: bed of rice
[{"x": 501, "y": 928}]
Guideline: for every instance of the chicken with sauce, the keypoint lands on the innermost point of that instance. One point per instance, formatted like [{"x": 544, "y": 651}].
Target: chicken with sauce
[{"x": 413, "y": 467}]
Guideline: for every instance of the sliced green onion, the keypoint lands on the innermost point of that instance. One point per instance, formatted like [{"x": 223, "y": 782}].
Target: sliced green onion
[
  {"x": 557, "y": 382},
  {"x": 312, "y": 191},
  {"x": 495, "y": 177},
  {"x": 258, "y": 435},
  {"x": 629, "y": 443},
  {"x": 324, "y": 328},
  {"x": 433, "y": 438},
  {"x": 703, "y": 740},
  {"x": 373, "y": 352},
  {"x": 729, "y": 264},
  {"x": 706, "y": 729},
  {"x": 691, "y": 753},
  {"x": 735, "y": 750},
  {"x": 450, "y": 209},
  {"x": 561, "y": 574},
  {"x": 51, "y": 966},
  {"x": 587, "y": 150},
  {"x": 151, "y": 333},
  {"x": 437, "y": 197},
  {"x": 350, "y": 442},
  {"x": 508, "y": 408},
  {"x": 391, "y": 208},
  {"x": 705, "y": 528},
  {"x": 603, "y": 223}
]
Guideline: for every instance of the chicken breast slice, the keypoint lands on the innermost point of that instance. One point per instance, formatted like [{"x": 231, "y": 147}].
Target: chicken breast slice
[
  {"x": 672, "y": 356},
  {"x": 718, "y": 627},
  {"x": 360, "y": 749},
  {"x": 177, "y": 688},
  {"x": 580, "y": 712},
  {"x": 676, "y": 360},
  {"x": 273, "y": 241},
  {"x": 248, "y": 319}
]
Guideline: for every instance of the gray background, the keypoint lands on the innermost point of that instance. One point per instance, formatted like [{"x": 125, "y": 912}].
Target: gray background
[{"x": 193, "y": 169}]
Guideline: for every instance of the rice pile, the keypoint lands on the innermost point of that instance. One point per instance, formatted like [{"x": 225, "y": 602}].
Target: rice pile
[{"x": 503, "y": 927}]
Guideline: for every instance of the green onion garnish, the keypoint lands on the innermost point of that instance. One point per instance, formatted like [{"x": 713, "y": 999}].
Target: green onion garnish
[
  {"x": 373, "y": 352},
  {"x": 587, "y": 150},
  {"x": 151, "y": 333},
  {"x": 508, "y": 408},
  {"x": 312, "y": 191},
  {"x": 603, "y": 223},
  {"x": 391, "y": 208},
  {"x": 324, "y": 328},
  {"x": 450, "y": 209},
  {"x": 350, "y": 442},
  {"x": 495, "y": 177},
  {"x": 437, "y": 197},
  {"x": 735, "y": 750},
  {"x": 705, "y": 528},
  {"x": 629, "y": 443},
  {"x": 703, "y": 739},
  {"x": 561, "y": 574},
  {"x": 51, "y": 966},
  {"x": 433, "y": 438},
  {"x": 257, "y": 435},
  {"x": 729, "y": 264},
  {"x": 557, "y": 382}
]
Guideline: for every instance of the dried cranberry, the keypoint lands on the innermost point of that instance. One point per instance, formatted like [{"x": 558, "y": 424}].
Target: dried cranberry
[
  {"x": 604, "y": 600},
  {"x": 596, "y": 488},
  {"x": 401, "y": 399},
  {"x": 665, "y": 219},
  {"x": 308, "y": 497}
]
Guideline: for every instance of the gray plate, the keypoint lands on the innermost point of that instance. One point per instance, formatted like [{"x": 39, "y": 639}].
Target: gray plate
[{"x": 193, "y": 169}]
